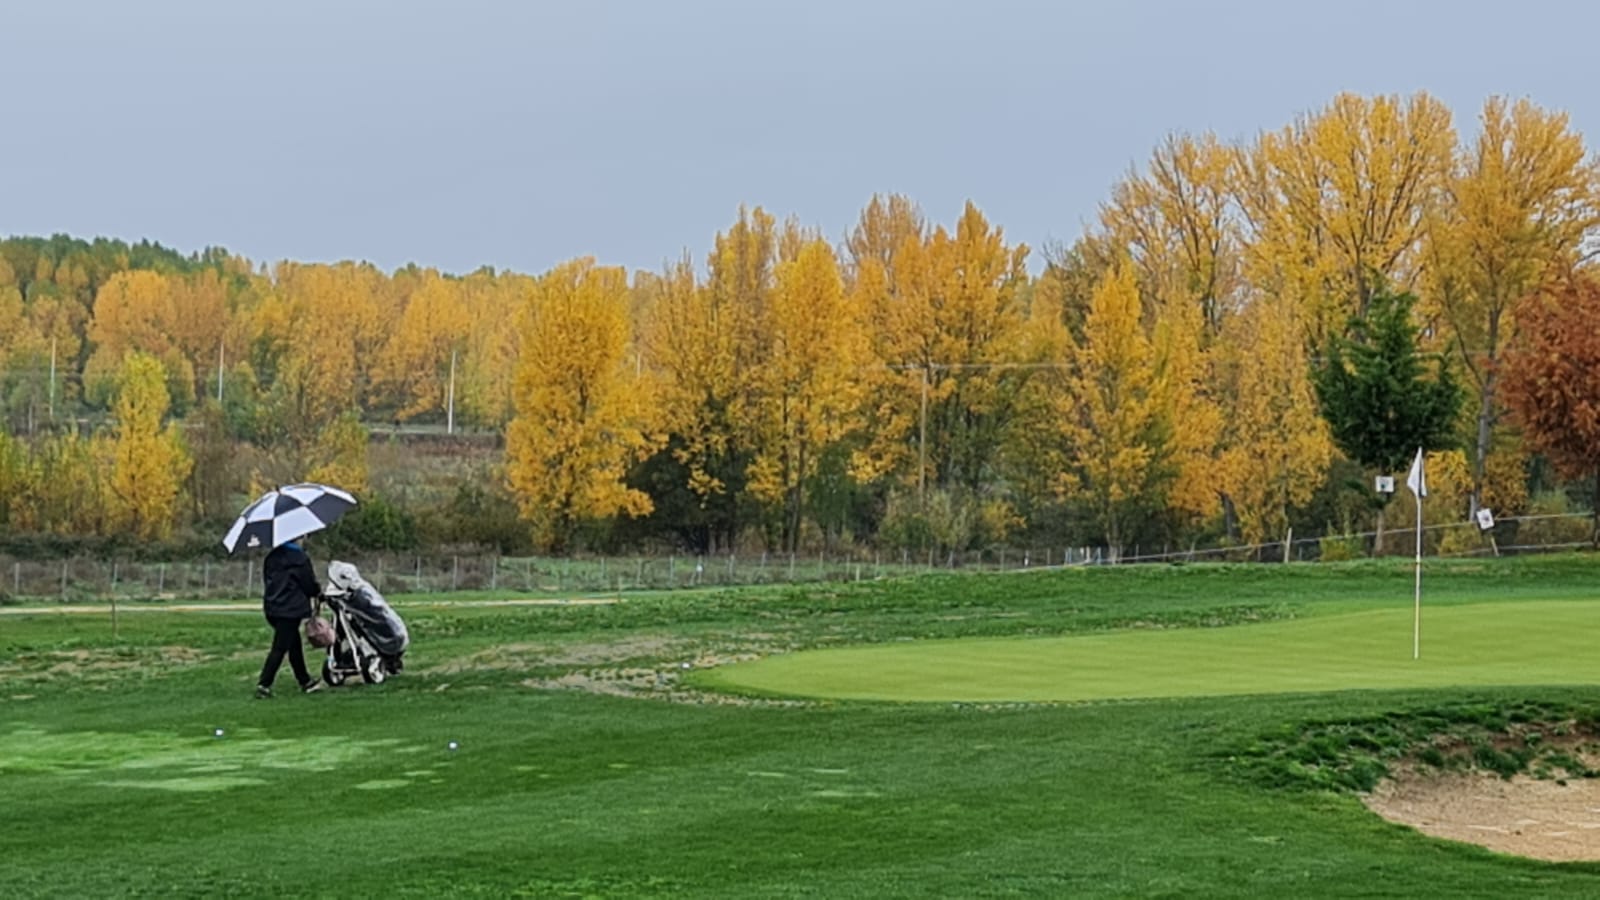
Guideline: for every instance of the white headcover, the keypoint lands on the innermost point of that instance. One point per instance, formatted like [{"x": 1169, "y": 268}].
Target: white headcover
[{"x": 344, "y": 575}]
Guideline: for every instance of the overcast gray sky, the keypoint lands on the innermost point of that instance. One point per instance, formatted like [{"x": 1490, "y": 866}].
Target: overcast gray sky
[{"x": 519, "y": 134}]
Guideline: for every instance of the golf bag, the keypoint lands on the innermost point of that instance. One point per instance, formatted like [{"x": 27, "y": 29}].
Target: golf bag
[{"x": 370, "y": 638}]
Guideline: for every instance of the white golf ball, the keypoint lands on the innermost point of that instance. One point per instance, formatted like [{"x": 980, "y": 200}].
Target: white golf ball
[
  {"x": 219, "y": 732},
  {"x": 453, "y": 745},
  {"x": 686, "y": 665}
]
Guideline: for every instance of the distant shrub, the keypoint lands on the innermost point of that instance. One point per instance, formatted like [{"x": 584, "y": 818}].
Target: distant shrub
[
  {"x": 1566, "y": 524},
  {"x": 1339, "y": 549}
]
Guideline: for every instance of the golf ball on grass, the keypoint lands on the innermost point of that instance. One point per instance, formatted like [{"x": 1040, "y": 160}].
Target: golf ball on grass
[
  {"x": 218, "y": 732},
  {"x": 453, "y": 745}
]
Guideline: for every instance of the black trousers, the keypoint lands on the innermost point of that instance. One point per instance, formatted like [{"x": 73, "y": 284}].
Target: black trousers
[{"x": 285, "y": 639}]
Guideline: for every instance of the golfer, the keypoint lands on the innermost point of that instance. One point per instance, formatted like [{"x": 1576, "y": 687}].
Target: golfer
[{"x": 289, "y": 584}]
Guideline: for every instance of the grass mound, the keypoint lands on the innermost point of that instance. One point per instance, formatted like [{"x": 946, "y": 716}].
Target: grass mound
[{"x": 1543, "y": 739}]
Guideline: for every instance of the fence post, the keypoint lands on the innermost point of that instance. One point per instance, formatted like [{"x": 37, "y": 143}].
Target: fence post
[
  {"x": 16, "y": 579},
  {"x": 63, "y": 579},
  {"x": 730, "y": 567},
  {"x": 494, "y": 573},
  {"x": 205, "y": 578},
  {"x": 672, "y": 571},
  {"x": 791, "y": 565},
  {"x": 638, "y": 578},
  {"x": 455, "y": 572},
  {"x": 161, "y": 579},
  {"x": 113, "y": 584}
]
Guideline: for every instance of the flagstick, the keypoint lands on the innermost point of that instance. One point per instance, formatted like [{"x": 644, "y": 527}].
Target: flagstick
[
  {"x": 1416, "y": 619},
  {"x": 1418, "y": 482}
]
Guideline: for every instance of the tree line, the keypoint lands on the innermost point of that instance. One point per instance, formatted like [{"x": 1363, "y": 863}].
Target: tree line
[{"x": 1239, "y": 341}]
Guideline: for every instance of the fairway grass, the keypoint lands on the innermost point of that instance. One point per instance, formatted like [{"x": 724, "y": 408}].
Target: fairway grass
[
  {"x": 1527, "y": 643},
  {"x": 115, "y": 780}
]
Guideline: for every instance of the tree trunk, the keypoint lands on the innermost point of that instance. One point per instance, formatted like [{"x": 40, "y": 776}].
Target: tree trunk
[
  {"x": 1230, "y": 518},
  {"x": 1486, "y": 417}
]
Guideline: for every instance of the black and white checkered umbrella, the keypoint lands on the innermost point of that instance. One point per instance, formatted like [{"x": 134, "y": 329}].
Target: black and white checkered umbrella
[{"x": 289, "y": 512}]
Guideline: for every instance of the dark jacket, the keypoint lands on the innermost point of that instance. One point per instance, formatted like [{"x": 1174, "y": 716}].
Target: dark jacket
[{"x": 289, "y": 583}]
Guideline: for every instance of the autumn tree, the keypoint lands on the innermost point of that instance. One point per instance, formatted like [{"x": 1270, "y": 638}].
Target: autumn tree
[
  {"x": 1114, "y": 440},
  {"x": 1552, "y": 378},
  {"x": 326, "y": 325},
  {"x": 414, "y": 368},
  {"x": 949, "y": 318},
  {"x": 149, "y": 462},
  {"x": 1521, "y": 202},
  {"x": 64, "y": 487},
  {"x": 704, "y": 345},
  {"x": 687, "y": 346},
  {"x": 1335, "y": 205},
  {"x": 580, "y": 414},
  {"x": 134, "y": 312},
  {"x": 13, "y": 479},
  {"x": 1277, "y": 449},
  {"x": 1176, "y": 222},
  {"x": 807, "y": 391},
  {"x": 884, "y": 250},
  {"x": 339, "y": 456},
  {"x": 488, "y": 363}
]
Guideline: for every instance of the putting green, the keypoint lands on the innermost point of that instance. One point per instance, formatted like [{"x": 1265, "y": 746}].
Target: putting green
[{"x": 1531, "y": 642}]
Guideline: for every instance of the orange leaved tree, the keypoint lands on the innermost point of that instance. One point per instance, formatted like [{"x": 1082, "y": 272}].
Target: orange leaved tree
[{"x": 1552, "y": 377}]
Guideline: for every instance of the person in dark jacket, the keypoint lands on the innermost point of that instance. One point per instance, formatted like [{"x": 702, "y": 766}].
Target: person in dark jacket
[{"x": 289, "y": 586}]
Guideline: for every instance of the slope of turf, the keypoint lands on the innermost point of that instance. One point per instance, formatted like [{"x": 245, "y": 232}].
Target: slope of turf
[
  {"x": 1535, "y": 642},
  {"x": 114, "y": 781}
]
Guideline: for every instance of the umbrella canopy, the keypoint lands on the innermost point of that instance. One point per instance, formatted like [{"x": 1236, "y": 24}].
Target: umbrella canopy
[{"x": 289, "y": 512}]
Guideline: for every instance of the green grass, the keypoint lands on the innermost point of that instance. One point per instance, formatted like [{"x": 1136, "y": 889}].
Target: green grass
[
  {"x": 114, "y": 782},
  {"x": 1533, "y": 642}
]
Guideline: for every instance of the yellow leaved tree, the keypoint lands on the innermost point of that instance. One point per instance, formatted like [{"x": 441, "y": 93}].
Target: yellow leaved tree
[
  {"x": 149, "y": 462},
  {"x": 703, "y": 345},
  {"x": 328, "y": 323},
  {"x": 339, "y": 456},
  {"x": 1114, "y": 437},
  {"x": 134, "y": 312},
  {"x": 1336, "y": 204},
  {"x": 808, "y": 389},
  {"x": 1521, "y": 202},
  {"x": 1176, "y": 222},
  {"x": 580, "y": 411},
  {"x": 413, "y": 370},
  {"x": 1277, "y": 447},
  {"x": 948, "y": 322}
]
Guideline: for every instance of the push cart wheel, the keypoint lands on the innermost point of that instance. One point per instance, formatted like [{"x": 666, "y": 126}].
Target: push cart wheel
[
  {"x": 331, "y": 676},
  {"x": 372, "y": 670}
]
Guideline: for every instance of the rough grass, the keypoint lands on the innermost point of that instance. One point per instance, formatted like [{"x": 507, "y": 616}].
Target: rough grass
[{"x": 120, "y": 786}]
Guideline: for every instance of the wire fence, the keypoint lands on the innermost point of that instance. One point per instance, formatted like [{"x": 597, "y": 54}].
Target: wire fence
[{"x": 89, "y": 579}]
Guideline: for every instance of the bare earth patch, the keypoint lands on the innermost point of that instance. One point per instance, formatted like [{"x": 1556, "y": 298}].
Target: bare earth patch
[
  {"x": 1537, "y": 818},
  {"x": 643, "y": 666},
  {"x": 96, "y": 665}
]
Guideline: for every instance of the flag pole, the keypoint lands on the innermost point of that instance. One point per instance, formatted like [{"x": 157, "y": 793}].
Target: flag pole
[
  {"x": 1416, "y": 616},
  {"x": 1418, "y": 482}
]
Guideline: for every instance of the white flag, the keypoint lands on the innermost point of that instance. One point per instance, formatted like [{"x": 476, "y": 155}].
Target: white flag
[{"x": 1415, "y": 481}]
